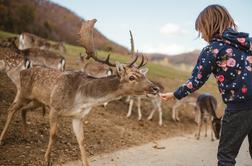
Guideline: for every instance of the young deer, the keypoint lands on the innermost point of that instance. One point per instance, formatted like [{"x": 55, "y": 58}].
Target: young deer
[
  {"x": 73, "y": 94},
  {"x": 207, "y": 106},
  {"x": 95, "y": 69},
  {"x": 189, "y": 100},
  {"x": 28, "y": 40},
  {"x": 155, "y": 100}
]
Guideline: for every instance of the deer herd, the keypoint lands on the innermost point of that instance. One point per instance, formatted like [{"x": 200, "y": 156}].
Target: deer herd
[{"x": 37, "y": 68}]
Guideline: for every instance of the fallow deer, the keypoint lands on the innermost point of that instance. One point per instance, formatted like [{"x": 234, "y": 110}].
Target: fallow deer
[
  {"x": 13, "y": 60},
  {"x": 73, "y": 94},
  {"x": 207, "y": 105},
  {"x": 95, "y": 69},
  {"x": 189, "y": 100},
  {"x": 28, "y": 40},
  {"x": 155, "y": 100}
]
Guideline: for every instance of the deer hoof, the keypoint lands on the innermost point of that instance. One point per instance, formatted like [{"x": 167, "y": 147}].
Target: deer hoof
[
  {"x": 197, "y": 138},
  {"x": 1, "y": 143},
  {"x": 212, "y": 140}
]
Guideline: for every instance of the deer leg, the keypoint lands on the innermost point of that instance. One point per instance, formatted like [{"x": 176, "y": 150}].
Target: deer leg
[
  {"x": 199, "y": 130},
  {"x": 53, "y": 119},
  {"x": 17, "y": 97},
  {"x": 24, "y": 109},
  {"x": 196, "y": 115},
  {"x": 151, "y": 114},
  {"x": 177, "y": 117},
  {"x": 160, "y": 116},
  {"x": 23, "y": 115},
  {"x": 78, "y": 131},
  {"x": 206, "y": 125},
  {"x": 131, "y": 101},
  {"x": 174, "y": 113},
  {"x": 139, "y": 108},
  {"x": 212, "y": 131},
  {"x": 199, "y": 126},
  {"x": 105, "y": 105},
  {"x": 11, "y": 111}
]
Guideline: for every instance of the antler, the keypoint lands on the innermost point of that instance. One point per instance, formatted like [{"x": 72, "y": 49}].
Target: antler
[
  {"x": 87, "y": 40},
  {"x": 86, "y": 37},
  {"x": 143, "y": 62},
  {"x": 133, "y": 53}
]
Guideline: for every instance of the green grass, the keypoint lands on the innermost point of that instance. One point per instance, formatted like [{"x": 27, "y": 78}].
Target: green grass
[{"x": 6, "y": 34}]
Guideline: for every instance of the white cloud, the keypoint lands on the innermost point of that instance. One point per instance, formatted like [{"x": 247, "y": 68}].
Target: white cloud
[
  {"x": 169, "y": 49},
  {"x": 171, "y": 29}
]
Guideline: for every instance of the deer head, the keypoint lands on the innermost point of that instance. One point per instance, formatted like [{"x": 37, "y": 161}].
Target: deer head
[
  {"x": 216, "y": 123},
  {"x": 132, "y": 77}
]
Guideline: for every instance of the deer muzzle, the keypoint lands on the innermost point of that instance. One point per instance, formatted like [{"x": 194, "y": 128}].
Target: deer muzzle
[{"x": 154, "y": 90}]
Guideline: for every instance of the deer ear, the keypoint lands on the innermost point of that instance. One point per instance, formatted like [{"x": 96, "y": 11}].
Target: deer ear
[
  {"x": 81, "y": 57},
  {"x": 27, "y": 64},
  {"x": 144, "y": 71},
  {"x": 119, "y": 67},
  {"x": 110, "y": 72}
]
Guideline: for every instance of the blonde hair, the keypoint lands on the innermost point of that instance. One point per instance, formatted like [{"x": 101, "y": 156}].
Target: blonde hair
[{"x": 213, "y": 20}]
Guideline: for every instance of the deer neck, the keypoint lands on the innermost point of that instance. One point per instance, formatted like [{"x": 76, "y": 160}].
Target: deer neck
[{"x": 101, "y": 90}]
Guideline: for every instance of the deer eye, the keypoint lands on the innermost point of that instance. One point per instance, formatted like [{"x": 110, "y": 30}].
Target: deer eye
[{"x": 132, "y": 78}]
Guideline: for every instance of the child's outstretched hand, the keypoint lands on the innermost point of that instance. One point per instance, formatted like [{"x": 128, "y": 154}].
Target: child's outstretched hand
[{"x": 167, "y": 96}]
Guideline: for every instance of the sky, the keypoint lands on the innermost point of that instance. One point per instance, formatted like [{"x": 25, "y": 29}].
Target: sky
[{"x": 158, "y": 26}]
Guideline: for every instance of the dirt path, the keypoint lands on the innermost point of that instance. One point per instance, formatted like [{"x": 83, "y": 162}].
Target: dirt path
[{"x": 178, "y": 151}]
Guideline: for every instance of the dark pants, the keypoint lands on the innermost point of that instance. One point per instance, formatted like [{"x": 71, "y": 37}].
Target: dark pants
[{"x": 235, "y": 127}]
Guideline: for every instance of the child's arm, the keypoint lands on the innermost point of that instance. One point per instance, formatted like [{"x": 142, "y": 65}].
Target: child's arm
[{"x": 201, "y": 72}]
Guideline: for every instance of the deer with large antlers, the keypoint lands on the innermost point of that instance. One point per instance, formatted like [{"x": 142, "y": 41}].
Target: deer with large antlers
[
  {"x": 73, "y": 94},
  {"x": 28, "y": 40}
]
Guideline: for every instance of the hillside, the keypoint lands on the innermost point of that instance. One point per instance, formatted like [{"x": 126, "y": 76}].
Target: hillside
[
  {"x": 57, "y": 23},
  {"x": 189, "y": 58}
]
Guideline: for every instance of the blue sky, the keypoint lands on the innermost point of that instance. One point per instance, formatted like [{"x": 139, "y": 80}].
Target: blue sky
[{"x": 162, "y": 26}]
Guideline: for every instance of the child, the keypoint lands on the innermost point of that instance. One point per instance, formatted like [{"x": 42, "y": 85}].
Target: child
[{"x": 229, "y": 57}]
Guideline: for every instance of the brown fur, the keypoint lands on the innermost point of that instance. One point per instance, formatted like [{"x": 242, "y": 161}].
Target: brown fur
[
  {"x": 13, "y": 61},
  {"x": 32, "y": 41}
]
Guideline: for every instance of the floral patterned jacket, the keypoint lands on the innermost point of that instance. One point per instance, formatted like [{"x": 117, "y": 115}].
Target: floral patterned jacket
[{"x": 229, "y": 58}]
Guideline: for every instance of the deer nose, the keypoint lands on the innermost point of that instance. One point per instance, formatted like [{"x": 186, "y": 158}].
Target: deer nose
[{"x": 155, "y": 89}]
